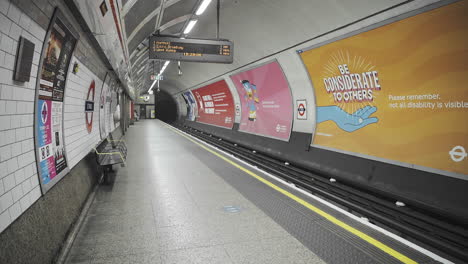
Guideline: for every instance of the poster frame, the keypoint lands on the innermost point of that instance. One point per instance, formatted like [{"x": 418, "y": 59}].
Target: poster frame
[
  {"x": 352, "y": 33},
  {"x": 250, "y": 67},
  {"x": 57, "y": 15},
  {"x": 233, "y": 102}
]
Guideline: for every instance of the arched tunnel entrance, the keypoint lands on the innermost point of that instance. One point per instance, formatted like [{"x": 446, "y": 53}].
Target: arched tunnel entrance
[{"x": 165, "y": 107}]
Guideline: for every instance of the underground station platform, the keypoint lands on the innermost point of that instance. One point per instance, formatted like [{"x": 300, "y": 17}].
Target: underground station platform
[{"x": 180, "y": 200}]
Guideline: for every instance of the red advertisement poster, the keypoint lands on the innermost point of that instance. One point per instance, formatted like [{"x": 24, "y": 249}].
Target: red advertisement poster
[
  {"x": 215, "y": 104},
  {"x": 266, "y": 101}
]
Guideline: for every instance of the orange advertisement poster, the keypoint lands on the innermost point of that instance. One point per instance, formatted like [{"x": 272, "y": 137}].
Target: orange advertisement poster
[{"x": 399, "y": 92}]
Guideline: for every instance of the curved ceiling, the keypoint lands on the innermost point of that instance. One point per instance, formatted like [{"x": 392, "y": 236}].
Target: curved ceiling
[
  {"x": 142, "y": 18},
  {"x": 258, "y": 29}
]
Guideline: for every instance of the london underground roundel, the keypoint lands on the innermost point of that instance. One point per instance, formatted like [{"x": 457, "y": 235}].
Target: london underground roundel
[{"x": 89, "y": 106}]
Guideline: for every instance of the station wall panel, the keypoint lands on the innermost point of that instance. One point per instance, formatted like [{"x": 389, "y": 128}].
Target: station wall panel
[
  {"x": 19, "y": 183},
  {"x": 24, "y": 212},
  {"x": 78, "y": 141}
]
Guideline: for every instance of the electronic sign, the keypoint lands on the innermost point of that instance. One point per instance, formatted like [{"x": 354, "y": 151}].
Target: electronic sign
[{"x": 196, "y": 50}]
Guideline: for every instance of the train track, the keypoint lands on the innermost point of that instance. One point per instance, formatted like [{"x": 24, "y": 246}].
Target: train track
[{"x": 431, "y": 231}]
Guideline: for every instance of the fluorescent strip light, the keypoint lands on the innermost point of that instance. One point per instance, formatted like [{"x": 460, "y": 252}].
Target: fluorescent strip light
[
  {"x": 155, "y": 81},
  {"x": 190, "y": 25},
  {"x": 164, "y": 67},
  {"x": 141, "y": 69},
  {"x": 202, "y": 7}
]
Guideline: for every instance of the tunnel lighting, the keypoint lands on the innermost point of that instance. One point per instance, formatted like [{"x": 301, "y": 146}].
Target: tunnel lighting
[
  {"x": 202, "y": 7},
  {"x": 190, "y": 26},
  {"x": 152, "y": 85},
  {"x": 164, "y": 67}
]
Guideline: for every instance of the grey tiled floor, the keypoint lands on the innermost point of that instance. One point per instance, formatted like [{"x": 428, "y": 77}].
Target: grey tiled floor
[{"x": 168, "y": 206}]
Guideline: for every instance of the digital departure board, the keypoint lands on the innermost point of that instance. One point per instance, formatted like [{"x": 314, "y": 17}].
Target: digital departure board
[{"x": 198, "y": 50}]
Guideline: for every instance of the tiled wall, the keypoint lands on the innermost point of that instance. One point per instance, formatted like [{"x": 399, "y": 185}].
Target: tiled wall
[
  {"x": 19, "y": 184},
  {"x": 78, "y": 142}
]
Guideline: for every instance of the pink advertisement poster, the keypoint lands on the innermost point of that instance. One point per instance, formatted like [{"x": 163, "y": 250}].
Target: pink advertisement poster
[{"x": 266, "y": 101}]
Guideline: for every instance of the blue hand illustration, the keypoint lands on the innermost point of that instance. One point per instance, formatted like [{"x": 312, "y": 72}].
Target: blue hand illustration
[{"x": 347, "y": 122}]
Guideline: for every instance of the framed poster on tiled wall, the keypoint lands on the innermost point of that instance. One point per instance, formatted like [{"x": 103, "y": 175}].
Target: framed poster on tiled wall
[{"x": 51, "y": 157}]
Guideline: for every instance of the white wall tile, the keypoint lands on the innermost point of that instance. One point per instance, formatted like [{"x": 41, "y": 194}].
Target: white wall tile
[
  {"x": 9, "y": 182},
  {"x": 15, "y": 31},
  {"x": 15, "y": 210},
  {"x": 14, "y": 14},
  {"x": 16, "y": 149},
  {"x": 3, "y": 170},
  {"x": 5, "y": 153},
  {"x": 12, "y": 165},
  {"x": 17, "y": 193},
  {"x": 6, "y": 44},
  {"x": 6, "y": 200},
  {"x": 20, "y": 134},
  {"x": 5, "y": 122},
  {"x": 4, "y": 217},
  {"x": 4, "y": 6},
  {"x": 10, "y": 107},
  {"x": 15, "y": 122},
  {"x": 10, "y": 136},
  {"x": 9, "y": 61},
  {"x": 2, "y": 107},
  {"x": 19, "y": 177},
  {"x": 25, "y": 202},
  {"x": 26, "y": 185},
  {"x": 25, "y": 21},
  {"x": 5, "y": 24},
  {"x": 6, "y": 93},
  {"x": 2, "y": 58}
]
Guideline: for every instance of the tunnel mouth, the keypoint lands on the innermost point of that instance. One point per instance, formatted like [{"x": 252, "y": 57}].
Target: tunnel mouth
[{"x": 165, "y": 107}]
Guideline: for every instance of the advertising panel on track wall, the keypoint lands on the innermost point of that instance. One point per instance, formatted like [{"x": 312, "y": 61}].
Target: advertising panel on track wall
[
  {"x": 397, "y": 93},
  {"x": 50, "y": 90},
  {"x": 191, "y": 105},
  {"x": 266, "y": 101},
  {"x": 215, "y": 104}
]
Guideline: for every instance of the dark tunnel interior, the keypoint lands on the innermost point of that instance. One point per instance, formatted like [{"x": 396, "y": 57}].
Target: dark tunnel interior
[{"x": 165, "y": 107}]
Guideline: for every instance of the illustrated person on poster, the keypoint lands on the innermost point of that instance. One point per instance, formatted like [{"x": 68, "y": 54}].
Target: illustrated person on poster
[
  {"x": 251, "y": 98},
  {"x": 347, "y": 122}
]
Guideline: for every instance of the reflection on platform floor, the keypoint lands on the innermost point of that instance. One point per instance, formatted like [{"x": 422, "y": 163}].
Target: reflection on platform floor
[{"x": 168, "y": 205}]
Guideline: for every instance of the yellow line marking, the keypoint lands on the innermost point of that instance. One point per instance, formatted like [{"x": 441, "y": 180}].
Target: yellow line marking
[{"x": 325, "y": 215}]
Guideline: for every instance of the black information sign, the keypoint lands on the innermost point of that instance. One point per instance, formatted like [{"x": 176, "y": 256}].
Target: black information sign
[
  {"x": 89, "y": 106},
  {"x": 199, "y": 50}
]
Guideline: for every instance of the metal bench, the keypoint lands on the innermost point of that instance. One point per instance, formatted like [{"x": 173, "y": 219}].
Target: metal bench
[{"x": 110, "y": 152}]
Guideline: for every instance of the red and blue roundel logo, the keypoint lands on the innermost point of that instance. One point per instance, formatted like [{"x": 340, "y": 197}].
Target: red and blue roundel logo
[{"x": 89, "y": 111}]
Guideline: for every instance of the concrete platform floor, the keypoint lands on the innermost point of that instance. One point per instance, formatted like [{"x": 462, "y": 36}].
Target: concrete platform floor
[{"x": 169, "y": 206}]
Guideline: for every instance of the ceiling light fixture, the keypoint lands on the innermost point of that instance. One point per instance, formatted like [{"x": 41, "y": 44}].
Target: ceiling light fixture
[
  {"x": 190, "y": 26},
  {"x": 151, "y": 88},
  {"x": 164, "y": 67},
  {"x": 202, "y": 7},
  {"x": 160, "y": 73}
]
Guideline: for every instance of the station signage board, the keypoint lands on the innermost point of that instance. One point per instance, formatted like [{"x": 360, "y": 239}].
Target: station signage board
[{"x": 196, "y": 50}]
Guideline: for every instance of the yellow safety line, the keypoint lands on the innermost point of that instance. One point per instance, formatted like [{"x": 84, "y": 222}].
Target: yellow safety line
[
  {"x": 327, "y": 216},
  {"x": 111, "y": 153}
]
